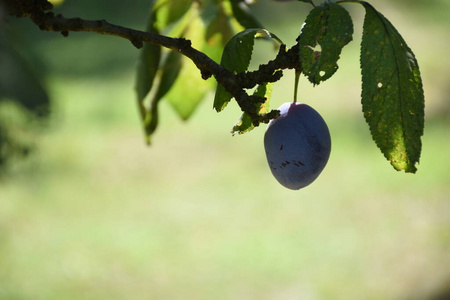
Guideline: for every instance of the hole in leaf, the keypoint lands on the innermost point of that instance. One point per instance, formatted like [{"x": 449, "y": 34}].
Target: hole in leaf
[
  {"x": 379, "y": 85},
  {"x": 316, "y": 48},
  {"x": 322, "y": 73}
]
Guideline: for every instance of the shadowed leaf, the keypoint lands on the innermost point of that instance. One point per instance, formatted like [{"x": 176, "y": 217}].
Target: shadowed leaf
[
  {"x": 236, "y": 58},
  {"x": 18, "y": 82},
  {"x": 163, "y": 13},
  {"x": 217, "y": 23},
  {"x": 170, "y": 11},
  {"x": 169, "y": 73},
  {"x": 245, "y": 124},
  {"x": 392, "y": 93},
  {"x": 148, "y": 63},
  {"x": 244, "y": 16}
]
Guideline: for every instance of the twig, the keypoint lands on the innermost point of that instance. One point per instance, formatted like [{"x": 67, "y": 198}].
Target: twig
[{"x": 233, "y": 84}]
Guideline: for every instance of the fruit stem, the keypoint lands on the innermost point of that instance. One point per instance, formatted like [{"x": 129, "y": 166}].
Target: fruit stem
[{"x": 297, "y": 77}]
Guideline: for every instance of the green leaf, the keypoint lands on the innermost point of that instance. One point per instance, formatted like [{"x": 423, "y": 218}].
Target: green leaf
[
  {"x": 189, "y": 91},
  {"x": 392, "y": 93},
  {"x": 19, "y": 82},
  {"x": 236, "y": 58},
  {"x": 244, "y": 16},
  {"x": 189, "y": 88},
  {"x": 217, "y": 22},
  {"x": 147, "y": 69},
  {"x": 327, "y": 29},
  {"x": 169, "y": 73},
  {"x": 163, "y": 14},
  {"x": 170, "y": 11},
  {"x": 245, "y": 124},
  {"x": 148, "y": 63}
]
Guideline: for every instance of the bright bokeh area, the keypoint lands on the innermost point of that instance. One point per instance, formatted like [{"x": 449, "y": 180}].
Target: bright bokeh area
[{"x": 94, "y": 213}]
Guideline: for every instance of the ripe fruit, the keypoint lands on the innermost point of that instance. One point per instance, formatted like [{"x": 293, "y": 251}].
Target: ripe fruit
[{"x": 297, "y": 144}]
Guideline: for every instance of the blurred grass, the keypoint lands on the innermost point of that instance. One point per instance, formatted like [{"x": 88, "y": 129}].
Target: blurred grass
[{"x": 96, "y": 214}]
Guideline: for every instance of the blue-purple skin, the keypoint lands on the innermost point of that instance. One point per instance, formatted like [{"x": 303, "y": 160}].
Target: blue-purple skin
[{"x": 297, "y": 145}]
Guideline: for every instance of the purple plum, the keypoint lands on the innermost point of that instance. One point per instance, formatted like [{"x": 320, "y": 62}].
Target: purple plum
[{"x": 297, "y": 145}]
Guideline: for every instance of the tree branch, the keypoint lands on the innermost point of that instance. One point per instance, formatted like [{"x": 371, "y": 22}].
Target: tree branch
[{"x": 233, "y": 84}]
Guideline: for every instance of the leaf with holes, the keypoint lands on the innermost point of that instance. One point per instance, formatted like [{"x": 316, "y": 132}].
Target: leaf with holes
[
  {"x": 327, "y": 29},
  {"x": 392, "y": 93}
]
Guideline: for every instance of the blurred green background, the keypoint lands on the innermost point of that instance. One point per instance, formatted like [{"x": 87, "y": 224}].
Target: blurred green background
[{"x": 94, "y": 213}]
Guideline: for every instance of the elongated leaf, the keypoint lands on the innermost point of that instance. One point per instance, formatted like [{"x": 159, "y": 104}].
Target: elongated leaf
[
  {"x": 170, "y": 11},
  {"x": 327, "y": 29},
  {"x": 244, "y": 16},
  {"x": 163, "y": 14},
  {"x": 147, "y": 68},
  {"x": 19, "y": 82},
  {"x": 245, "y": 124},
  {"x": 236, "y": 58},
  {"x": 392, "y": 93},
  {"x": 189, "y": 88},
  {"x": 169, "y": 73},
  {"x": 148, "y": 64},
  {"x": 247, "y": 20},
  {"x": 217, "y": 22}
]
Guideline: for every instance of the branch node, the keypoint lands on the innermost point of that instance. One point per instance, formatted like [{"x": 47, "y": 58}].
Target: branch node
[
  {"x": 137, "y": 43},
  {"x": 257, "y": 99},
  {"x": 101, "y": 23},
  {"x": 206, "y": 74},
  {"x": 183, "y": 44}
]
